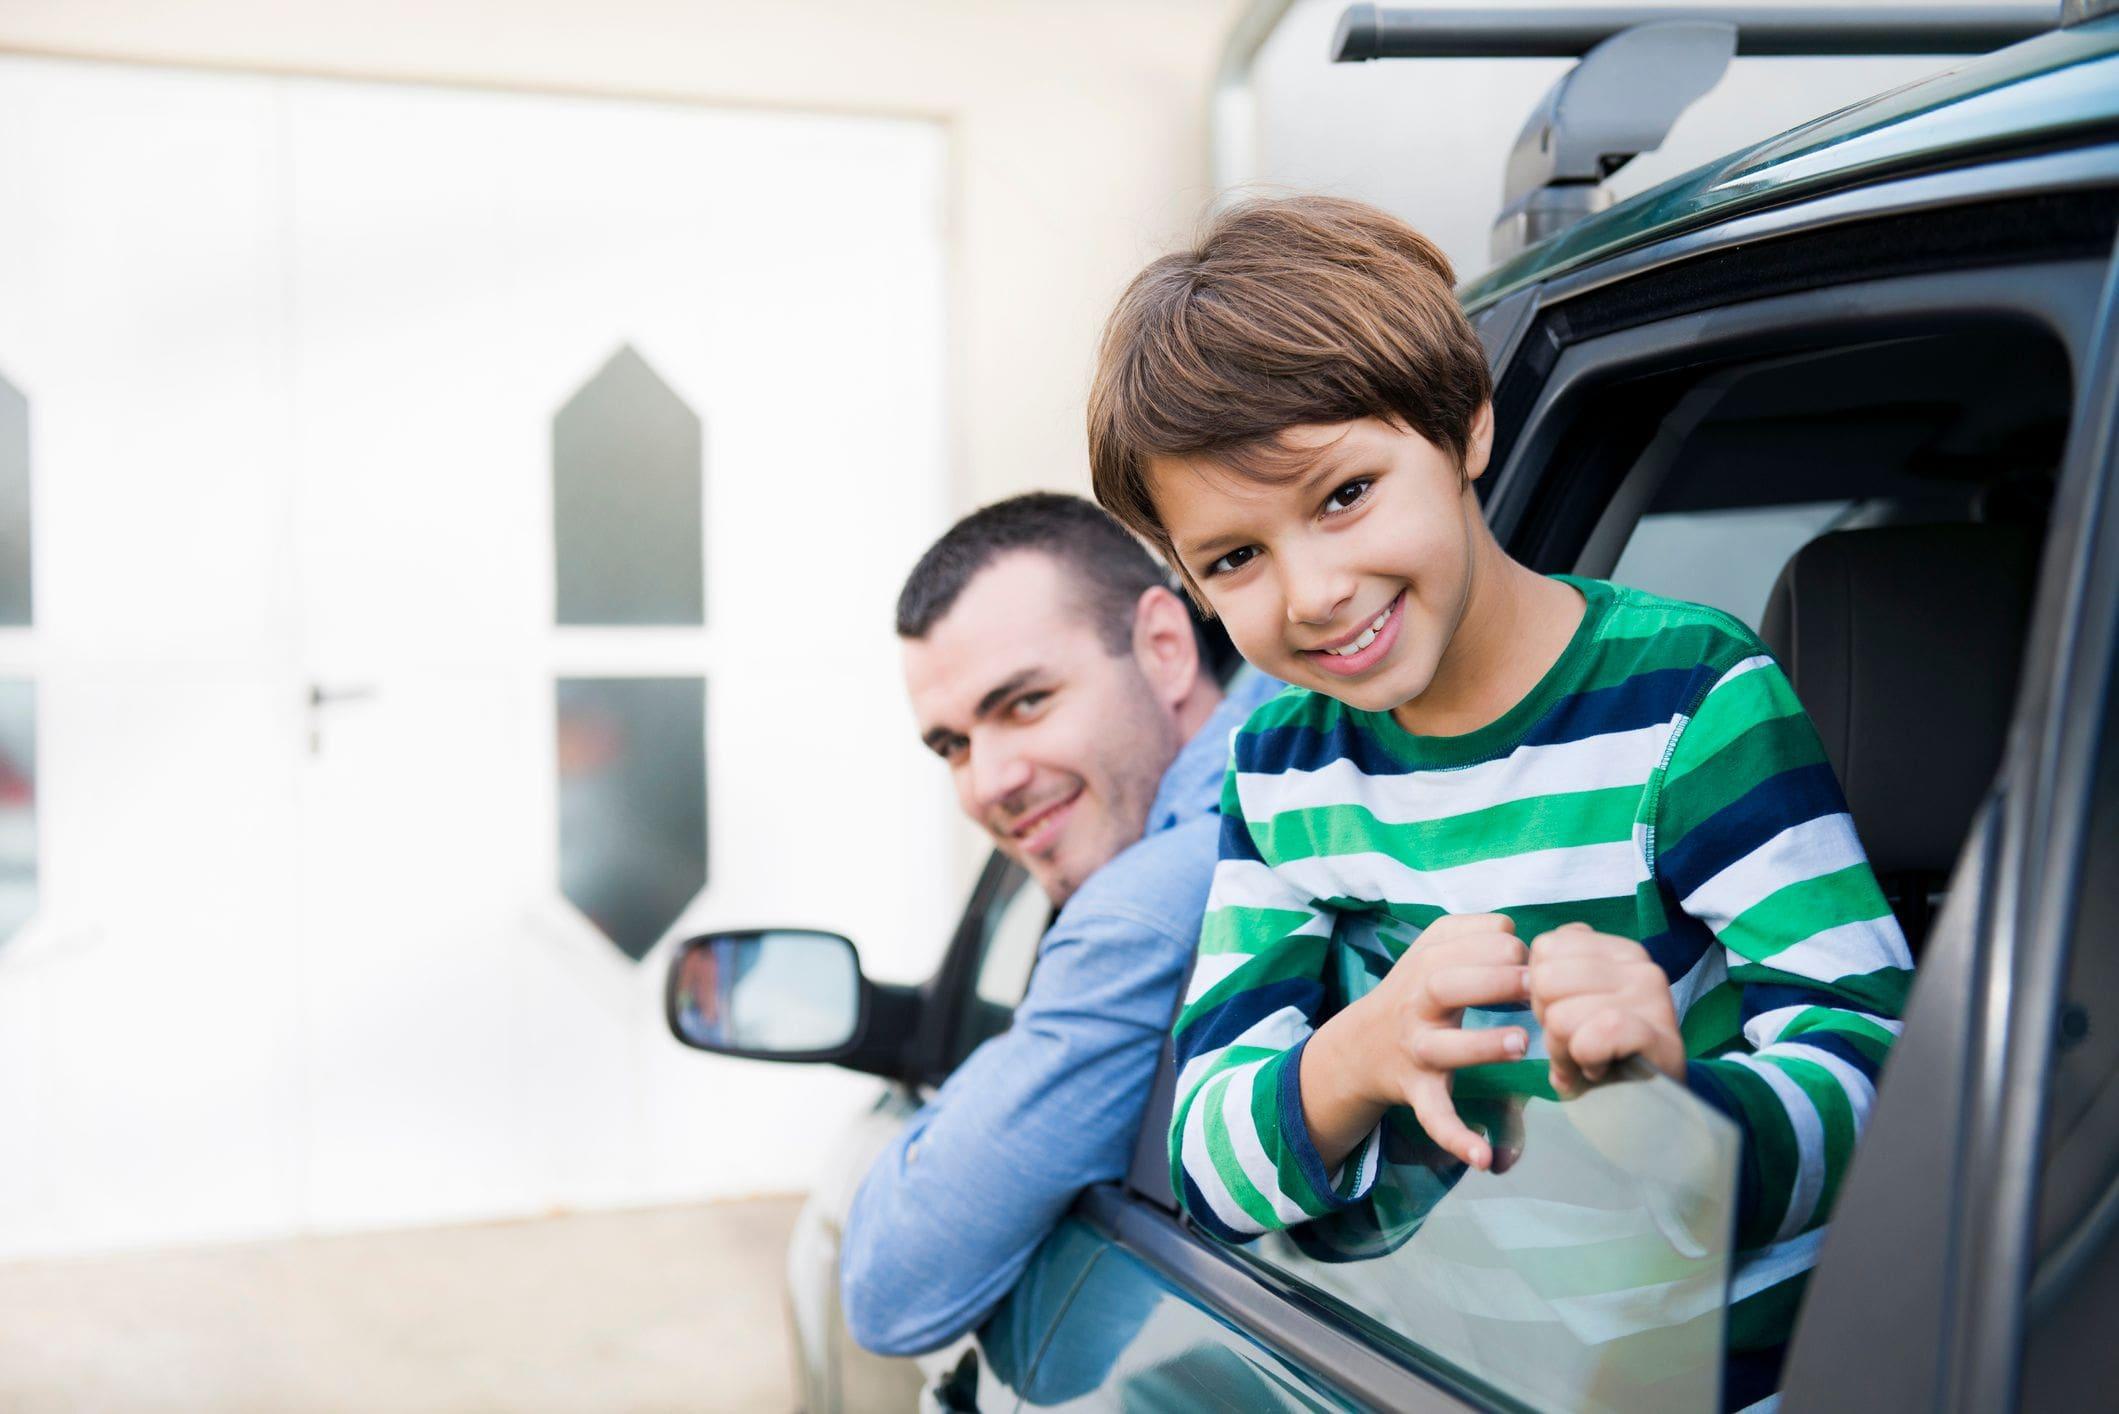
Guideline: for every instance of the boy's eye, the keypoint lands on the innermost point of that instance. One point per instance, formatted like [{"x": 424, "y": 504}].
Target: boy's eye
[
  {"x": 1347, "y": 496},
  {"x": 1235, "y": 560}
]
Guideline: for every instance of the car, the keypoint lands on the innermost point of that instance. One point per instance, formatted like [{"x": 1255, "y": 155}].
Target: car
[{"x": 1859, "y": 386}]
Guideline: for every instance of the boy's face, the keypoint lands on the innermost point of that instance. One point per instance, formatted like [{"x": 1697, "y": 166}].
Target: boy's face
[{"x": 1351, "y": 574}]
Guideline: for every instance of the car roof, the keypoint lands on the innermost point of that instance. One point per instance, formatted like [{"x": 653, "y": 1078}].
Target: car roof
[{"x": 2054, "y": 88}]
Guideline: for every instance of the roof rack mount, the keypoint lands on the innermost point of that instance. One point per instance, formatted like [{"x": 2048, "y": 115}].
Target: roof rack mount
[{"x": 1641, "y": 67}]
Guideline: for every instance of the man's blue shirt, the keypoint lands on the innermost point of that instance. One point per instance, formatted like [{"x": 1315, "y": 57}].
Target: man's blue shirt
[{"x": 952, "y": 1210}]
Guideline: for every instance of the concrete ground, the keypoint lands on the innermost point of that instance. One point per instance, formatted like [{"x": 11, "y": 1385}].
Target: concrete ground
[{"x": 662, "y": 1309}]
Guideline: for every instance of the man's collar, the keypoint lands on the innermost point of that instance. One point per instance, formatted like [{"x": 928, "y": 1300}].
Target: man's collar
[{"x": 1192, "y": 785}]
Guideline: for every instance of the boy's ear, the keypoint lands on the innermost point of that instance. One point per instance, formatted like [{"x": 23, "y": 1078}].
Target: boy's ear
[
  {"x": 1479, "y": 447},
  {"x": 1165, "y": 646}
]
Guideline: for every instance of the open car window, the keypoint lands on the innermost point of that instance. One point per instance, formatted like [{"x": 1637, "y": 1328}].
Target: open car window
[{"x": 1014, "y": 921}]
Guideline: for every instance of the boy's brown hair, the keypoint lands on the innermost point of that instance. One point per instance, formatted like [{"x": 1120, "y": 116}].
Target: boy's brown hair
[{"x": 1305, "y": 309}]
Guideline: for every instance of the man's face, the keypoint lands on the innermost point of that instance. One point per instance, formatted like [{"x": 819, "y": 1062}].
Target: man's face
[
  {"x": 1351, "y": 574},
  {"x": 1056, "y": 745}
]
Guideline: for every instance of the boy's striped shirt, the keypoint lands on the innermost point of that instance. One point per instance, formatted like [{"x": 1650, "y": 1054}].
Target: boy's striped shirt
[{"x": 1661, "y": 783}]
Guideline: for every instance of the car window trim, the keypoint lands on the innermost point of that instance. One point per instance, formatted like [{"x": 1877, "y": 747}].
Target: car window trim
[{"x": 949, "y": 992}]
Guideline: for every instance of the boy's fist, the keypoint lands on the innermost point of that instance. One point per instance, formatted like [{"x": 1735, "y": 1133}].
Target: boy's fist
[{"x": 1601, "y": 999}]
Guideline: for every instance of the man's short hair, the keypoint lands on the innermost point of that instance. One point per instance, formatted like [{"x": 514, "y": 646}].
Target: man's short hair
[
  {"x": 1298, "y": 310},
  {"x": 1110, "y": 569}
]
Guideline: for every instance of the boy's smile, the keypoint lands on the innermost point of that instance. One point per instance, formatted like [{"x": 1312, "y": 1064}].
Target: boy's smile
[{"x": 1356, "y": 653}]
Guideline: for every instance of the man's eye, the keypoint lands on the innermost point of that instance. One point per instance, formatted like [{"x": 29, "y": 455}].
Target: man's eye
[
  {"x": 1348, "y": 496},
  {"x": 1235, "y": 560},
  {"x": 1026, "y": 706}
]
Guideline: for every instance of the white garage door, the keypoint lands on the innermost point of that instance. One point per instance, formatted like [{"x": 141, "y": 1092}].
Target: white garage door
[{"x": 464, "y": 530}]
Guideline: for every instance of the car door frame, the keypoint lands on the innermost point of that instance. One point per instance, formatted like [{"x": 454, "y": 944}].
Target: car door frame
[{"x": 1963, "y": 1348}]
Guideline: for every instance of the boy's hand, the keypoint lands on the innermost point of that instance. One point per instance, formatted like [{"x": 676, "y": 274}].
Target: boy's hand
[
  {"x": 1398, "y": 1044},
  {"x": 1601, "y": 999}
]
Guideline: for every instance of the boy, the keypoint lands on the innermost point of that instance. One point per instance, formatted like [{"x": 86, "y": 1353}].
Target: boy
[{"x": 1294, "y": 414}]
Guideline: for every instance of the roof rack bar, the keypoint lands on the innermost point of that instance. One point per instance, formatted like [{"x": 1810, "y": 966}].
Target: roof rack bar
[{"x": 1571, "y": 31}]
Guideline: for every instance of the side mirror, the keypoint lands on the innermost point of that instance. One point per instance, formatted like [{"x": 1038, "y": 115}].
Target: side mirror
[{"x": 771, "y": 994}]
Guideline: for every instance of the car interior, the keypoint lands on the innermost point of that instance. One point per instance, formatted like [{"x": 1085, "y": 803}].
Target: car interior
[{"x": 1875, "y": 512}]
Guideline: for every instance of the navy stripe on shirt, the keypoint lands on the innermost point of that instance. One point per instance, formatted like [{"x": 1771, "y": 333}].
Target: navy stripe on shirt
[
  {"x": 1241, "y": 1012},
  {"x": 1643, "y": 700},
  {"x": 1306, "y": 747},
  {"x": 1773, "y": 805}
]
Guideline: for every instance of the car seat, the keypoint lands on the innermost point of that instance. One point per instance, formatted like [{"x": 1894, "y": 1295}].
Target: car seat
[{"x": 1903, "y": 642}]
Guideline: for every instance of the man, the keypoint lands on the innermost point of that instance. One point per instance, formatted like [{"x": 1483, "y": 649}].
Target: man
[{"x": 1050, "y": 665}]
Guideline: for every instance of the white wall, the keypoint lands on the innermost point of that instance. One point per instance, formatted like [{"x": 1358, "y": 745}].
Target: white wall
[
  {"x": 1077, "y": 134},
  {"x": 1428, "y": 138}
]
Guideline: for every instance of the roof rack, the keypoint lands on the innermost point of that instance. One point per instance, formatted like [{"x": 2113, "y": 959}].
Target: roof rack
[{"x": 1641, "y": 66}]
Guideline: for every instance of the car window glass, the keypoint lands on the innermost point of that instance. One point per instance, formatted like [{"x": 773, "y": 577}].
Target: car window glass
[
  {"x": 1014, "y": 923},
  {"x": 1725, "y": 558},
  {"x": 1587, "y": 1271},
  {"x": 1011, "y": 948}
]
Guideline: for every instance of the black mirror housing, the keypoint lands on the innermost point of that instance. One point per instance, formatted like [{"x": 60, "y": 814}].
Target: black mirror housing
[{"x": 793, "y": 995}]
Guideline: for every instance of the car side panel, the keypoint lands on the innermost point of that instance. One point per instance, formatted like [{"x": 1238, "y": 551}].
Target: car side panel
[
  {"x": 1130, "y": 1339},
  {"x": 834, "y": 1375}
]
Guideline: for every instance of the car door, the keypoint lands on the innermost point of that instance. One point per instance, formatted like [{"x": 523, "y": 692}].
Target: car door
[{"x": 1975, "y": 1266}]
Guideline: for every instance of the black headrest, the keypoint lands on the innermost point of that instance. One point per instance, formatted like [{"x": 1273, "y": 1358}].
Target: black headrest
[{"x": 1903, "y": 642}]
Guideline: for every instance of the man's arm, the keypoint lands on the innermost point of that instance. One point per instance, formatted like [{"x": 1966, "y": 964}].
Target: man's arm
[
  {"x": 951, "y": 1212},
  {"x": 1754, "y": 839}
]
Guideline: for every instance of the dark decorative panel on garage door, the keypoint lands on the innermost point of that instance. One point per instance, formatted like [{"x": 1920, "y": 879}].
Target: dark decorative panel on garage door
[
  {"x": 14, "y": 506},
  {"x": 626, "y": 501},
  {"x": 632, "y": 802}
]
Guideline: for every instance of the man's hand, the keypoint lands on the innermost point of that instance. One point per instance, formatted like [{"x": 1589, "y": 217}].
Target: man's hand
[
  {"x": 1398, "y": 1044},
  {"x": 1601, "y": 999}
]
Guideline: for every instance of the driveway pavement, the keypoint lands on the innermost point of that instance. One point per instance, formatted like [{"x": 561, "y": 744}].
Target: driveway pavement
[{"x": 661, "y": 1309}]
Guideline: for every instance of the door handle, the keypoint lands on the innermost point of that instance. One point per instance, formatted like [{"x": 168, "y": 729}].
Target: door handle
[{"x": 321, "y": 697}]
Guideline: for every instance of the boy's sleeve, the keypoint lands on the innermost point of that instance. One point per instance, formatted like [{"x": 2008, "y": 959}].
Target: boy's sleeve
[
  {"x": 1753, "y": 838},
  {"x": 1241, "y": 1157}
]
